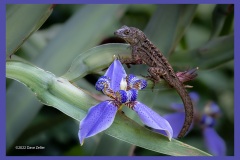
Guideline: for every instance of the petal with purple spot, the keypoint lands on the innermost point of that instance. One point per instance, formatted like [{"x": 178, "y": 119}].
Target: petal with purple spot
[
  {"x": 214, "y": 142},
  {"x": 115, "y": 72},
  {"x": 98, "y": 119},
  {"x": 152, "y": 119}
]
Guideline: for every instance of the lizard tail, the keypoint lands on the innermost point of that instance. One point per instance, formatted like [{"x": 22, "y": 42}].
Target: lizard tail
[{"x": 188, "y": 110}]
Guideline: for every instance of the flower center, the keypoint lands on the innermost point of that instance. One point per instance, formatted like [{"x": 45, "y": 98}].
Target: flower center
[{"x": 129, "y": 87}]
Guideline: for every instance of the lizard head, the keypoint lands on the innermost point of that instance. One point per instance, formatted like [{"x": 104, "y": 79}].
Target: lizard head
[{"x": 130, "y": 34}]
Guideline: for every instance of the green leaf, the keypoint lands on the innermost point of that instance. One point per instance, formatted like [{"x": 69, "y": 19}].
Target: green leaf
[
  {"x": 168, "y": 25},
  {"x": 140, "y": 136},
  {"x": 48, "y": 88},
  {"x": 214, "y": 53},
  {"x": 84, "y": 30},
  {"x": 33, "y": 46},
  {"x": 22, "y": 21},
  {"x": 90, "y": 61},
  {"x": 74, "y": 102}
]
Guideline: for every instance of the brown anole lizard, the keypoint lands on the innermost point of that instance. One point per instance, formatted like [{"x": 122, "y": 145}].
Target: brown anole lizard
[{"x": 144, "y": 52}]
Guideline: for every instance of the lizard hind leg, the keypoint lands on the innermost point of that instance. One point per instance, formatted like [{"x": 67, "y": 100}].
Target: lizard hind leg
[{"x": 155, "y": 74}]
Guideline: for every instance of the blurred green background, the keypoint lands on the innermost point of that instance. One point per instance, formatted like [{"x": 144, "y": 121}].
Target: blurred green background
[{"x": 189, "y": 35}]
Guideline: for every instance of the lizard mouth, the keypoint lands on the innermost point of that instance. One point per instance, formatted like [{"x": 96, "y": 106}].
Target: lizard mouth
[
  {"x": 117, "y": 34},
  {"x": 120, "y": 36}
]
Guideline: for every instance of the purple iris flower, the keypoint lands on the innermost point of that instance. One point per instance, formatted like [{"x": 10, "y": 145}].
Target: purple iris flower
[
  {"x": 207, "y": 120},
  {"x": 123, "y": 90}
]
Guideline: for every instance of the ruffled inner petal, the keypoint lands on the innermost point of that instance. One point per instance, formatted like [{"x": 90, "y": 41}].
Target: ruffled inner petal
[
  {"x": 116, "y": 73},
  {"x": 98, "y": 119},
  {"x": 152, "y": 119},
  {"x": 214, "y": 142}
]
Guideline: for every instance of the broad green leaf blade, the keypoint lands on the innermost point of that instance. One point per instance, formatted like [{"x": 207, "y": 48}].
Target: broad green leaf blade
[
  {"x": 22, "y": 21},
  {"x": 92, "y": 60},
  {"x": 84, "y": 30},
  {"x": 49, "y": 89},
  {"x": 142, "y": 137},
  {"x": 168, "y": 24},
  {"x": 33, "y": 46},
  {"x": 61, "y": 94},
  {"x": 214, "y": 53}
]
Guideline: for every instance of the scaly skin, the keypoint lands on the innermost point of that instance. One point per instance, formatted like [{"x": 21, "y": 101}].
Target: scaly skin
[{"x": 144, "y": 52}]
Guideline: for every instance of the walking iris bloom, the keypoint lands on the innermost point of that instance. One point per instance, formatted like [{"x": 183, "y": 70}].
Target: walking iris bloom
[
  {"x": 206, "y": 120},
  {"x": 123, "y": 90}
]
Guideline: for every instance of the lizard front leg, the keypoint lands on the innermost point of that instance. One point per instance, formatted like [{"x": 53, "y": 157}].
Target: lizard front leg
[{"x": 134, "y": 60}]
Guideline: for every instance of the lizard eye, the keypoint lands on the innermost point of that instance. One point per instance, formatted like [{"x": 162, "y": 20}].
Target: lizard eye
[{"x": 126, "y": 32}]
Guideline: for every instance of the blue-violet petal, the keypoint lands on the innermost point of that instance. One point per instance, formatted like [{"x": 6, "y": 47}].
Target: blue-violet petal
[
  {"x": 99, "y": 118},
  {"x": 214, "y": 142},
  {"x": 116, "y": 73},
  {"x": 152, "y": 119}
]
